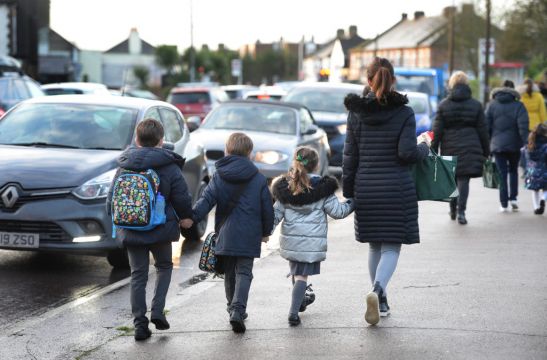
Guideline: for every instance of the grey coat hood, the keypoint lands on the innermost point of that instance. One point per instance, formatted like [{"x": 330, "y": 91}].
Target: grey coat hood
[{"x": 505, "y": 94}]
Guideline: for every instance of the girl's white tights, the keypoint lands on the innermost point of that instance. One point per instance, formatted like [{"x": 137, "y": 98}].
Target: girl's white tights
[{"x": 536, "y": 198}]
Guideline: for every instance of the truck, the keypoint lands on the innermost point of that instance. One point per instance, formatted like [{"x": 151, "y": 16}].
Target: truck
[{"x": 425, "y": 80}]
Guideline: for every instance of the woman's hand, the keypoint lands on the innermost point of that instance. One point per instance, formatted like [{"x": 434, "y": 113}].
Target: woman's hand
[
  {"x": 186, "y": 223},
  {"x": 425, "y": 137}
]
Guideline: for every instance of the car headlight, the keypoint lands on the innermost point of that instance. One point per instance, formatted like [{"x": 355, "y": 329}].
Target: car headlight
[
  {"x": 96, "y": 188},
  {"x": 342, "y": 129},
  {"x": 270, "y": 157},
  {"x": 424, "y": 122}
]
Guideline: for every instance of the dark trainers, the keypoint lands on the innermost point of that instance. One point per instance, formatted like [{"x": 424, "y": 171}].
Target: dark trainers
[
  {"x": 244, "y": 316},
  {"x": 541, "y": 209},
  {"x": 142, "y": 333},
  {"x": 461, "y": 218},
  {"x": 384, "y": 307},
  {"x": 161, "y": 323},
  {"x": 309, "y": 298},
  {"x": 236, "y": 320},
  {"x": 372, "y": 315},
  {"x": 294, "y": 320}
]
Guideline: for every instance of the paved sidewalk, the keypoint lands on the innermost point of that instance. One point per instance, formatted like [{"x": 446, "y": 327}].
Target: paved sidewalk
[{"x": 467, "y": 292}]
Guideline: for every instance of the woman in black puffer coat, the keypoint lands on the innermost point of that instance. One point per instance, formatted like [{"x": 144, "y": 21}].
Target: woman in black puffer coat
[
  {"x": 380, "y": 145},
  {"x": 460, "y": 130}
]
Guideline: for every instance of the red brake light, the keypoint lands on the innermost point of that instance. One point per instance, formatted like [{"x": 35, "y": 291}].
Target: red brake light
[{"x": 263, "y": 97}]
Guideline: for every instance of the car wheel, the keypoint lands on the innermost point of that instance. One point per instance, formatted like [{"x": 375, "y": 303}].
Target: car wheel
[
  {"x": 197, "y": 231},
  {"x": 118, "y": 259}
]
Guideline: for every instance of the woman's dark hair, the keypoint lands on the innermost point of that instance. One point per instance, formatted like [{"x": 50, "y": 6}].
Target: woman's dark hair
[
  {"x": 509, "y": 84},
  {"x": 541, "y": 129},
  {"x": 381, "y": 77},
  {"x": 529, "y": 86}
]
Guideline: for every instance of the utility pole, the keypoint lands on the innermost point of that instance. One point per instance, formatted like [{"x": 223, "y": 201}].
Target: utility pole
[
  {"x": 300, "y": 75},
  {"x": 487, "y": 54},
  {"x": 192, "y": 50},
  {"x": 451, "y": 38}
]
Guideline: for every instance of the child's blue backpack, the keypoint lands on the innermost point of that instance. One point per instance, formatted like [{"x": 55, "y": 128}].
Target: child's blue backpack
[{"x": 136, "y": 202}]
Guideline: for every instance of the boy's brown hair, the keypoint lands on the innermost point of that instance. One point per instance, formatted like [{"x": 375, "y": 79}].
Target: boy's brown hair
[
  {"x": 239, "y": 144},
  {"x": 149, "y": 133}
]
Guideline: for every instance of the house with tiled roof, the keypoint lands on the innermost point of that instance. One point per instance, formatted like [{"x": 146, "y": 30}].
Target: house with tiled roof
[
  {"x": 331, "y": 60},
  {"x": 422, "y": 42}
]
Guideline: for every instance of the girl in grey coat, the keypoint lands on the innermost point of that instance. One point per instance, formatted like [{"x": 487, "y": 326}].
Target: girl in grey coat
[{"x": 303, "y": 201}]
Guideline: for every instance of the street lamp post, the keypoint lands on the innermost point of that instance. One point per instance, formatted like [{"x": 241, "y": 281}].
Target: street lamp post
[
  {"x": 192, "y": 50},
  {"x": 487, "y": 54}
]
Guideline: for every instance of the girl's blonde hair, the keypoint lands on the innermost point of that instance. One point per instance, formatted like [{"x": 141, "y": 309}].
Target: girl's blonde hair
[
  {"x": 541, "y": 129},
  {"x": 305, "y": 161},
  {"x": 459, "y": 77}
]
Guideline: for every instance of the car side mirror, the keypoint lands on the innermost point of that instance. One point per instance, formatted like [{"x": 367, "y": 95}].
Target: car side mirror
[
  {"x": 311, "y": 130},
  {"x": 193, "y": 123},
  {"x": 168, "y": 146}
]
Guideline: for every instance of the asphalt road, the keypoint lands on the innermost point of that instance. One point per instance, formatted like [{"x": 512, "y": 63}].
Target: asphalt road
[{"x": 33, "y": 283}]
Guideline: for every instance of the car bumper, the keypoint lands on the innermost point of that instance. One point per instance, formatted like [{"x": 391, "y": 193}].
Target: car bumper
[{"x": 59, "y": 222}]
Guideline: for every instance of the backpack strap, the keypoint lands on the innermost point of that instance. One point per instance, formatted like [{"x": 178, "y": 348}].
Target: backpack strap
[{"x": 231, "y": 205}]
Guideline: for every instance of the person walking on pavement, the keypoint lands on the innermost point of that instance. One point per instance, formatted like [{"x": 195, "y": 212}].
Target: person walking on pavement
[
  {"x": 507, "y": 121},
  {"x": 238, "y": 184},
  {"x": 303, "y": 201},
  {"x": 534, "y": 103},
  {"x": 148, "y": 154},
  {"x": 460, "y": 130},
  {"x": 536, "y": 167},
  {"x": 380, "y": 145}
]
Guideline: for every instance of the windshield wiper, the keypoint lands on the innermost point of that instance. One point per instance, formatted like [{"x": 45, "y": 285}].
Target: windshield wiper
[
  {"x": 40, "y": 143},
  {"x": 101, "y": 148}
]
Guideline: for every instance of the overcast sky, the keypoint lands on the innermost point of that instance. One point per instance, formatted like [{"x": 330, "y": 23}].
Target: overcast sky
[{"x": 101, "y": 24}]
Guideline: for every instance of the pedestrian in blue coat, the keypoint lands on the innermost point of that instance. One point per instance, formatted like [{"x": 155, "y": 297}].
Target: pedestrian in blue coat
[{"x": 249, "y": 223}]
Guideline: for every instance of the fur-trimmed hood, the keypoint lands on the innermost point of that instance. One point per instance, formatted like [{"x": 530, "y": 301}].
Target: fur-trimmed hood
[
  {"x": 505, "y": 94},
  {"x": 369, "y": 104},
  {"x": 325, "y": 187}
]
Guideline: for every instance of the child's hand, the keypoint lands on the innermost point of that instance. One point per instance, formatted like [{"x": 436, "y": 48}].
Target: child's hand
[
  {"x": 265, "y": 239},
  {"x": 186, "y": 223}
]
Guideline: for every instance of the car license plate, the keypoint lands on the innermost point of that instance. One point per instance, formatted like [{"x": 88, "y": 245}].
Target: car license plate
[{"x": 19, "y": 240}]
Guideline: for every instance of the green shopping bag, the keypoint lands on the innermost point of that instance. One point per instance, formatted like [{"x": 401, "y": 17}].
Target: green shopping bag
[
  {"x": 490, "y": 174},
  {"x": 435, "y": 177}
]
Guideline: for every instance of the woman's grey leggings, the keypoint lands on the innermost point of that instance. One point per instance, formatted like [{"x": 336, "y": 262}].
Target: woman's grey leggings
[{"x": 382, "y": 261}]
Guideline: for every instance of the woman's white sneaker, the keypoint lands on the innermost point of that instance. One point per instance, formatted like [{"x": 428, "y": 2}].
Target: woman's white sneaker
[
  {"x": 514, "y": 205},
  {"x": 503, "y": 209}
]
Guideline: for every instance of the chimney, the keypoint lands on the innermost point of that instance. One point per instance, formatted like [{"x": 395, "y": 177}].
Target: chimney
[
  {"x": 468, "y": 10},
  {"x": 340, "y": 33},
  {"x": 135, "y": 44},
  {"x": 352, "y": 31},
  {"x": 418, "y": 15},
  {"x": 221, "y": 47},
  {"x": 404, "y": 16},
  {"x": 448, "y": 11}
]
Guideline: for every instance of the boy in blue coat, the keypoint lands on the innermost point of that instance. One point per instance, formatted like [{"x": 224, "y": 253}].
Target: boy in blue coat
[
  {"x": 148, "y": 154},
  {"x": 249, "y": 223}
]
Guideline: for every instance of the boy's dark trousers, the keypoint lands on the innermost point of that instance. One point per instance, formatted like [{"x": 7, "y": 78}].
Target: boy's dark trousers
[
  {"x": 139, "y": 260},
  {"x": 238, "y": 275}
]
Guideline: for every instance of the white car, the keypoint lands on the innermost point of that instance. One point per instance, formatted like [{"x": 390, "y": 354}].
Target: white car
[
  {"x": 266, "y": 93},
  {"x": 75, "y": 88}
]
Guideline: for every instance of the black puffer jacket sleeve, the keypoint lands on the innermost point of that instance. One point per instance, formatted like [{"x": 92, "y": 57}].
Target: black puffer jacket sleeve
[
  {"x": 523, "y": 122},
  {"x": 207, "y": 201},
  {"x": 351, "y": 159},
  {"x": 482, "y": 130},
  {"x": 407, "y": 150},
  {"x": 438, "y": 130}
]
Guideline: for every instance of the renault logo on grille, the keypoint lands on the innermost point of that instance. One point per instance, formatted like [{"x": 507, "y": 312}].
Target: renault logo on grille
[{"x": 10, "y": 197}]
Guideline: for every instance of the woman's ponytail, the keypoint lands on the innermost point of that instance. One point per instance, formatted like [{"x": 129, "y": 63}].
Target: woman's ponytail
[{"x": 381, "y": 78}]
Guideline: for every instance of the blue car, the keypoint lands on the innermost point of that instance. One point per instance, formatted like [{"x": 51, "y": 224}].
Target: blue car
[
  {"x": 326, "y": 102},
  {"x": 419, "y": 102}
]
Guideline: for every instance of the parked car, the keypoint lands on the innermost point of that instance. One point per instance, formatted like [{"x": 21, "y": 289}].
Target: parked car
[
  {"x": 131, "y": 92},
  {"x": 419, "y": 102},
  {"x": 58, "y": 157},
  {"x": 15, "y": 86},
  {"x": 266, "y": 93},
  {"x": 326, "y": 101},
  {"x": 276, "y": 129},
  {"x": 238, "y": 91},
  {"x": 196, "y": 101},
  {"x": 75, "y": 88},
  {"x": 429, "y": 81},
  {"x": 287, "y": 85}
]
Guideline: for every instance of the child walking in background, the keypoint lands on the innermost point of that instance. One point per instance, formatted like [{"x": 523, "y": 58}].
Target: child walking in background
[
  {"x": 536, "y": 167},
  {"x": 303, "y": 201},
  {"x": 244, "y": 218}
]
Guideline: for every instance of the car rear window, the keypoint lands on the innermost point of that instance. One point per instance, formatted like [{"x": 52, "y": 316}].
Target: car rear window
[
  {"x": 324, "y": 100},
  {"x": 190, "y": 98},
  {"x": 72, "y": 125},
  {"x": 63, "y": 91}
]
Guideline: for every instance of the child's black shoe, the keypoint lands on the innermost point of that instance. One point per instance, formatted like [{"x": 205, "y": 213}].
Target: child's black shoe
[
  {"x": 309, "y": 298},
  {"x": 294, "y": 320},
  {"x": 142, "y": 333},
  {"x": 161, "y": 323},
  {"x": 236, "y": 320}
]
